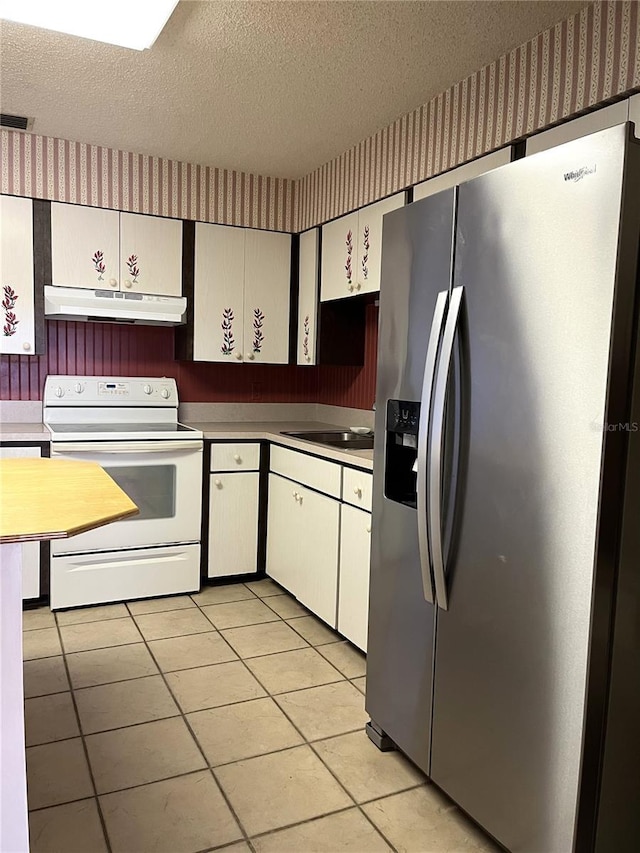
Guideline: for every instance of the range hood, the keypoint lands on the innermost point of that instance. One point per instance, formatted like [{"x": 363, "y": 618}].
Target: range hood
[{"x": 113, "y": 306}]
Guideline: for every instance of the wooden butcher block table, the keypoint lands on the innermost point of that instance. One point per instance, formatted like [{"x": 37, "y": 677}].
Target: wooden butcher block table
[{"x": 39, "y": 499}]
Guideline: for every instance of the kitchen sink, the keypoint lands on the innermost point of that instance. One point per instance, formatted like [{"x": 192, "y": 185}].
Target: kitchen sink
[{"x": 336, "y": 438}]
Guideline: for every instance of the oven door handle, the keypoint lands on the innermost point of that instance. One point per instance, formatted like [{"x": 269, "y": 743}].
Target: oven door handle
[{"x": 115, "y": 447}]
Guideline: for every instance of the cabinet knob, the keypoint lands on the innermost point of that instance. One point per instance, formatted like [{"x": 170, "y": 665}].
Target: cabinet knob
[
  {"x": 351, "y": 288},
  {"x": 295, "y": 494},
  {"x": 368, "y": 528},
  {"x": 218, "y": 484},
  {"x": 239, "y": 356},
  {"x": 250, "y": 356},
  {"x": 358, "y": 491},
  {"x": 358, "y": 286},
  {"x": 113, "y": 282},
  {"x": 237, "y": 457},
  {"x": 127, "y": 283},
  {"x": 26, "y": 346}
]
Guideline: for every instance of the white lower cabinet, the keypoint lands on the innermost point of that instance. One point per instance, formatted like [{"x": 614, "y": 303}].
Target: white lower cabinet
[
  {"x": 302, "y": 545},
  {"x": 353, "y": 596},
  {"x": 30, "y": 550},
  {"x": 233, "y": 523}
]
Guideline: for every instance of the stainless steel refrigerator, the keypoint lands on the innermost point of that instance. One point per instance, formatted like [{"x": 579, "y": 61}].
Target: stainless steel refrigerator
[{"x": 504, "y": 621}]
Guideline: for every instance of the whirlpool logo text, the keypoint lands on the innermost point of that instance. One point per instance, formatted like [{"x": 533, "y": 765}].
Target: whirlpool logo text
[{"x": 579, "y": 174}]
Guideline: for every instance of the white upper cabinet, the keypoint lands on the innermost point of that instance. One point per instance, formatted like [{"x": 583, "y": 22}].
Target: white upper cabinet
[
  {"x": 16, "y": 275},
  {"x": 352, "y": 249},
  {"x": 339, "y": 257},
  {"x": 85, "y": 247},
  {"x": 108, "y": 250},
  {"x": 150, "y": 254},
  {"x": 370, "y": 241},
  {"x": 455, "y": 177},
  {"x": 218, "y": 293},
  {"x": 267, "y": 287},
  {"x": 242, "y": 280},
  {"x": 308, "y": 297},
  {"x": 591, "y": 123},
  {"x": 634, "y": 113}
]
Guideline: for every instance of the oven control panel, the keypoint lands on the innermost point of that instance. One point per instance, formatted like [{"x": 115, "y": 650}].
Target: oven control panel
[
  {"x": 110, "y": 391},
  {"x": 113, "y": 389}
]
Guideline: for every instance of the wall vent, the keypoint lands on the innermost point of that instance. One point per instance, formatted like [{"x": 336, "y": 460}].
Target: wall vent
[{"x": 15, "y": 122}]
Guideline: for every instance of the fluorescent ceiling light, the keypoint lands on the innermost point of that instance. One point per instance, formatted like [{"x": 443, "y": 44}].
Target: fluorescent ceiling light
[{"x": 128, "y": 23}]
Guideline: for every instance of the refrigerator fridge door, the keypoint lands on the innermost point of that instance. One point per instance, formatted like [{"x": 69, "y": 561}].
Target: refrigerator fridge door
[
  {"x": 545, "y": 343},
  {"x": 416, "y": 268}
]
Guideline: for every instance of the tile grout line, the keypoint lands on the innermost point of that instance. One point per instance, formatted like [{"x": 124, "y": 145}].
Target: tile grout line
[
  {"x": 186, "y": 714},
  {"x": 83, "y": 741},
  {"x": 306, "y": 742},
  {"x": 197, "y": 743},
  {"x": 183, "y": 714},
  {"x": 315, "y": 752},
  {"x": 309, "y": 744}
]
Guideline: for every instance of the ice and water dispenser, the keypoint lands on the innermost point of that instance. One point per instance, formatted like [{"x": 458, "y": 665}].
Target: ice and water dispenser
[{"x": 401, "y": 451}]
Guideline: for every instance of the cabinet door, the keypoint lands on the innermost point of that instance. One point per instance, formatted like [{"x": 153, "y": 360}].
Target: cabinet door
[
  {"x": 284, "y": 528},
  {"x": 218, "y": 293},
  {"x": 455, "y": 177},
  {"x": 267, "y": 285},
  {"x": 302, "y": 545},
  {"x": 30, "y": 550},
  {"x": 353, "y": 596},
  {"x": 16, "y": 275},
  {"x": 84, "y": 246},
  {"x": 591, "y": 123},
  {"x": 634, "y": 113},
  {"x": 339, "y": 258},
  {"x": 150, "y": 254},
  {"x": 317, "y": 554},
  {"x": 308, "y": 296},
  {"x": 233, "y": 524},
  {"x": 370, "y": 242}
]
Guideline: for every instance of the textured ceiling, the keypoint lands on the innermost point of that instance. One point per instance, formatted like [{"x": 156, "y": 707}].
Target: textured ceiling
[{"x": 271, "y": 87}]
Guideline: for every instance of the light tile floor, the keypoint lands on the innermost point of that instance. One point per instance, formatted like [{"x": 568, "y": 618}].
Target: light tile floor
[{"x": 230, "y": 719}]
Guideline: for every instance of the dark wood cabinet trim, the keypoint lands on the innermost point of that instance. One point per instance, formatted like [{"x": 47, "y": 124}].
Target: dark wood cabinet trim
[
  {"x": 294, "y": 296},
  {"x": 41, "y": 268},
  {"x": 184, "y": 334}
]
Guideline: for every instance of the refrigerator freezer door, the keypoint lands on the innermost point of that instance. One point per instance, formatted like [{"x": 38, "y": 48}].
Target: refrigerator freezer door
[
  {"x": 416, "y": 266},
  {"x": 536, "y": 252}
]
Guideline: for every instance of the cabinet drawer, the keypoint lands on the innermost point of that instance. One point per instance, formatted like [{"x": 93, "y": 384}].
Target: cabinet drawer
[
  {"x": 316, "y": 473},
  {"x": 235, "y": 457},
  {"x": 357, "y": 488}
]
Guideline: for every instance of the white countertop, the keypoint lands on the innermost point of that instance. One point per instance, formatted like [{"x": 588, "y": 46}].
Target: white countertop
[
  {"x": 24, "y": 432},
  {"x": 272, "y": 431},
  {"x": 230, "y": 431}
]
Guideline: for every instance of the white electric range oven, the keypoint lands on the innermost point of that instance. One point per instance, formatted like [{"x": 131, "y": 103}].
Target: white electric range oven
[{"x": 129, "y": 426}]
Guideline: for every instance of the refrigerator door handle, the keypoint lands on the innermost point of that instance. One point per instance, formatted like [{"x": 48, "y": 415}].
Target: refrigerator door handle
[
  {"x": 423, "y": 440},
  {"x": 437, "y": 438}
]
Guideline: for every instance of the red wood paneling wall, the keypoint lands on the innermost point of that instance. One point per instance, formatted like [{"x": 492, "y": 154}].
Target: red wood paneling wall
[
  {"x": 353, "y": 386},
  {"x": 105, "y": 349}
]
